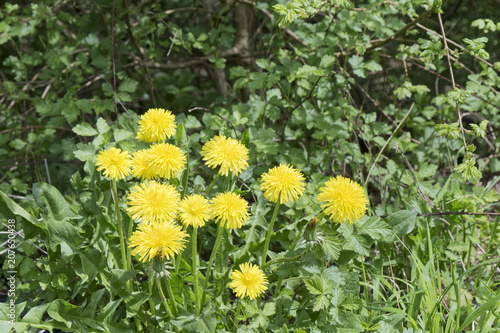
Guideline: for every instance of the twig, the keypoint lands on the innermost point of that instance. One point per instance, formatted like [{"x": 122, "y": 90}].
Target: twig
[
  {"x": 221, "y": 117},
  {"x": 407, "y": 27},
  {"x": 387, "y": 142},
  {"x": 447, "y": 50},
  {"x": 452, "y": 42},
  {"x": 410, "y": 168},
  {"x": 452, "y": 213}
]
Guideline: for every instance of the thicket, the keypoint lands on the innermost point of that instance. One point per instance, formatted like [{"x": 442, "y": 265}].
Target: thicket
[{"x": 400, "y": 96}]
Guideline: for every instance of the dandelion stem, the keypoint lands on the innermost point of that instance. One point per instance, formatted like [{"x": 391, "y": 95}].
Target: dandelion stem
[
  {"x": 171, "y": 295},
  {"x": 209, "y": 267},
  {"x": 151, "y": 303},
  {"x": 209, "y": 188},
  {"x": 194, "y": 267},
  {"x": 120, "y": 228},
  {"x": 269, "y": 233},
  {"x": 163, "y": 298}
]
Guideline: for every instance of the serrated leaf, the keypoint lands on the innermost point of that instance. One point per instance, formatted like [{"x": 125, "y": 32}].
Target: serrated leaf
[
  {"x": 321, "y": 302},
  {"x": 334, "y": 276},
  {"x": 491, "y": 196},
  {"x": 128, "y": 85},
  {"x": 376, "y": 228},
  {"x": 357, "y": 244},
  {"x": 102, "y": 126},
  {"x": 121, "y": 135},
  {"x": 318, "y": 285},
  {"x": 85, "y": 129},
  {"x": 332, "y": 246},
  {"x": 265, "y": 64},
  {"x": 237, "y": 72},
  {"x": 85, "y": 152},
  {"x": 306, "y": 70}
]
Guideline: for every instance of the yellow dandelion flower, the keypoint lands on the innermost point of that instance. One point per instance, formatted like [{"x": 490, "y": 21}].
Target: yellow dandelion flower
[
  {"x": 248, "y": 281},
  {"x": 167, "y": 160},
  {"x": 229, "y": 153},
  {"x": 156, "y": 125},
  {"x": 230, "y": 209},
  {"x": 142, "y": 165},
  {"x": 152, "y": 202},
  {"x": 194, "y": 211},
  {"x": 345, "y": 200},
  {"x": 163, "y": 239},
  {"x": 115, "y": 163},
  {"x": 282, "y": 183}
]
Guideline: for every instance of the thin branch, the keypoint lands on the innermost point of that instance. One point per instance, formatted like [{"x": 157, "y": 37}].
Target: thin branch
[
  {"x": 407, "y": 27},
  {"x": 387, "y": 142},
  {"x": 448, "y": 55},
  {"x": 452, "y": 42},
  {"x": 31, "y": 127},
  {"x": 221, "y": 117},
  {"x": 451, "y": 213}
]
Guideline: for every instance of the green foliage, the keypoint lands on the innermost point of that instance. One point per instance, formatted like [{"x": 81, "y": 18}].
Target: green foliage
[{"x": 323, "y": 85}]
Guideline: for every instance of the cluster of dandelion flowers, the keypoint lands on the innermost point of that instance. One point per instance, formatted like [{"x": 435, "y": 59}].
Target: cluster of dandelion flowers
[
  {"x": 163, "y": 239},
  {"x": 167, "y": 160},
  {"x": 248, "y": 281},
  {"x": 230, "y": 210},
  {"x": 156, "y": 125},
  {"x": 115, "y": 162},
  {"x": 142, "y": 165},
  {"x": 282, "y": 183},
  {"x": 345, "y": 200},
  {"x": 194, "y": 211},
  {"x": 151, "y": 202},
  {"x": 227, "y": 153}
]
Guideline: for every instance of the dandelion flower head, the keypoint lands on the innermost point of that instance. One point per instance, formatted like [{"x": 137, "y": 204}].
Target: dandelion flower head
[
  {"x": 167, "y": 160},
  {"x": 142, "y": 165},
  {"x": 163, "y": 239},
  {"x": 115, "y": 163},
  {"x": 229, "y": 153},
  {"x": 248, "y": 281},
  {"x": 230, "y": 209},
  {"x": 345, "y": 200},
  {"x": 156, "y": 125},
  {"x": 151, "y": 202},
  {"x": 282, "y": 183},
  {"x": 194, "y": 211}
]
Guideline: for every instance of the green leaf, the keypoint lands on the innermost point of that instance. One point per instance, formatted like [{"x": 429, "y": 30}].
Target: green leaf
[
  {"x": 321, "y": 302},
  {"x": 375, "y": 227},
  {"x": 128, "y": 85},
  {"x": 52, "y": 203},
  {"x": 85, "y": 129},
  {"x": 237, "y": 72},
  {"x": 306, "y": 70},
  {"x": 458, "y": 95},
  {"x": 358, "y": 244},
  {"x": 318, "y": 285},
  {"x": 469, "y": 170},
  {"x": 102, "y": 126},
  {"x": 205, "y": 323},
  {"x": 16, "y": 210},
  {"x": 480, "y": 131},
  {"x": 85, "y": 152},
  {"x": 491, "y": 196},
  {"x": 357, "y": 65},
  {"x": 121, "y": 135},
  {"x": 402, "y": 222},
  {"x": 17, "y": 144},
  {"x": 451, "y": 131},
  {"x": 332, "y": 246}
]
